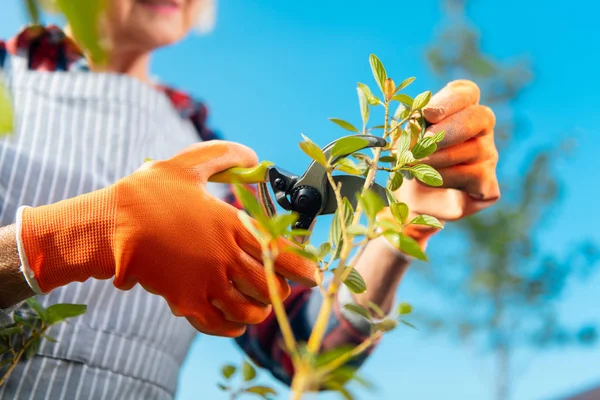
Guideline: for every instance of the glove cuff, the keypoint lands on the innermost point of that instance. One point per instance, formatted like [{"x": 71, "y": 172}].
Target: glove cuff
[{"x": 68, "y": 241}]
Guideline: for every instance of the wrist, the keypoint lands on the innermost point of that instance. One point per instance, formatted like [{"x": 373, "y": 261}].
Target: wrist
[{"x": 68, "y": 241}]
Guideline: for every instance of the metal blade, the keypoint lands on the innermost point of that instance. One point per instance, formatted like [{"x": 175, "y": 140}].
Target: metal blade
[
  {"x": 351, "y": 185},
  {"x": 316, "y": 176}
]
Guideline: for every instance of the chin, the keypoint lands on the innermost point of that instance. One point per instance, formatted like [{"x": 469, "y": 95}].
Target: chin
[{"x": 158, "y": 35}]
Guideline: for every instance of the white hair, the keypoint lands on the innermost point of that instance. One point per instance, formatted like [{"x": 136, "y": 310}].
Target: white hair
[{"x": 207, "y": 17}]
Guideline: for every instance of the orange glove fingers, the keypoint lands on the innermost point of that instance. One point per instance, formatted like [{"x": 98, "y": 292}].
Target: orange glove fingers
[
  {"x": 237, "y": 307},
  {"x": 253, "y": 283},
  {"x": 454, "y": 97},
  {"x": 289, "y": 265},
  {"x": 470, "y": 122},
  {"x": 209, "y": 158},
  {"x": 211, "y": 321},
  {"x": 478, "y": 180},
  {"x": 470, "y": 152}
]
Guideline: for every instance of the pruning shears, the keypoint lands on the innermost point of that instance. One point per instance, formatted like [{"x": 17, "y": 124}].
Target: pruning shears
[{"x": 310, "y": 194}]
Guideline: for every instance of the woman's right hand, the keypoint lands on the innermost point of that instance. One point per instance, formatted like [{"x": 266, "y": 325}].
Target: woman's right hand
[{"x": 159, "y": 227}]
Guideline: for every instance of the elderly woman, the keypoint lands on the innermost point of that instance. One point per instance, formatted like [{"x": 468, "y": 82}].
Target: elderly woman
[{"x": 77, "y": 212}]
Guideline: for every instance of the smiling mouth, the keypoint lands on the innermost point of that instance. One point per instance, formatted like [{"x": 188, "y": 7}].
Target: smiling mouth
[{"x": 161, "y": 6}]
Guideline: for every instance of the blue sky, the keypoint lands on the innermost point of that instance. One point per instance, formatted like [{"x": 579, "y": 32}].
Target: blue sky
[{"x": 273, "y": 69}]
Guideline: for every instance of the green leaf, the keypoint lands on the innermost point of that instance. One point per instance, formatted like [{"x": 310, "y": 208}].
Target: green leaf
[
  {"x": 323, "y": 250},
  {"x": 365, "y": 111},
  {"x": 84, "y": 20},
  {"x": 300, "y": 232},
  {"x": 427, "y": 220},
  {"x": 371, "y": 98},
  {"x": 348, "y": 145},
  {"x": 405, "y": 244},
  {"x": 403, "y": 142},
  {"x": 357, "y": 230},
  {"x": 263, "y": 391},
  {"x": 404, "y": 309},
  {"x": 388, "y": 226},
  {"x": 50, "y": 338},
  {"x": 348, "y": 166},
  {"x": 284, "y": 221},
  {"x": 390, "y": 196},
  {"x": 6, "y": 112},
  {"x": 335, "y": 233},
  {"x": 404, "y": 99},
  {"x": 378, "y": 71},
  {"x": 248, "y": 372},
  {"x": 223, "y": 387},
  {"x": 346, "y": 394},
  {"x": 356, "y": 309},
  {"x": 388, "y": 159},
  {"x": 249, "y": 201},
  {"x": 11, "y": 330},
  {"x": 327, "y": 356},
  {"x": 313, "y": 151},
  {"x": 395, "y": 180},
  {"x": 228, "y": 370},
  {"x": 427, "y": 175},
  {"x": 344, "y": 124},
  {"x": 424, "y": 147},
  {"x": 355, "y": 282},
  {"x": 439, "y": 136},
  {"x": 377, "y": 309},
  {"x": 386, "y": 325},
  {"x": 38, "y": 308},
  {"x": 409, "y": 324},
  {"x": 421, "y": 100},
  {"x": 362, "y": 157},
  {"x": 400, "y": 212},
  {"x": 406, "y": 158},
  {"x": 405, "y": 83},
  {"x": 402, "y": 112},
  {"x": 312, "y": 249},
  {"x": 371, "y": 203},
  {"x": 60, "y": 312},
  {"x": 33, "y": 347}
]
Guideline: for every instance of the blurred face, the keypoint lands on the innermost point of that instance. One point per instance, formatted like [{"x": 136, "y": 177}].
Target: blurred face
[{"x": 144, "y": 25}]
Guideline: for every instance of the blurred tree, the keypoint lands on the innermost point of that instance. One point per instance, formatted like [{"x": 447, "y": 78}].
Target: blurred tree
[{"x": 505, "y": 288}]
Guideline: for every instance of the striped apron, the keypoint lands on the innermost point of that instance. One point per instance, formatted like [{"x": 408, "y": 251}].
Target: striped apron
[{"x": 77, "y": 132}]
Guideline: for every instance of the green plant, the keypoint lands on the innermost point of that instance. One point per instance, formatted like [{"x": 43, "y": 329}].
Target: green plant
[
  {"x": 351, "y": 229},
  {"x": 23, "y": 337}
]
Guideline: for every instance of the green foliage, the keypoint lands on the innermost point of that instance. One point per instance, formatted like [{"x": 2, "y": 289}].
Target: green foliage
[
  {"x": 378, "y": 71},
  {"x": 400, "y": 212},
  {"x": 426, "y": 174},
  {"x": 313, "y": 151},
  {"x": 248, "y": 371},
  {"x": 6, "y": 112},
  {"x": 421, "y": 100},
  {"x": 23, "y": 338},
  {"x": 371, "y": 98},
  {"x": 348, "y": 145},
  {"x": 84, "y": 21},
  {"x": 427, "y": 220},
  {"x": 355, "y": 282},
  {"x": 344, "y": 124}
]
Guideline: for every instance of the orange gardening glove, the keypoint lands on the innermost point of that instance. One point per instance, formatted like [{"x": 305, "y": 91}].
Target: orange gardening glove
[
  {"x": 159, "y": 227},
  {"x": 466, "y": 159}
]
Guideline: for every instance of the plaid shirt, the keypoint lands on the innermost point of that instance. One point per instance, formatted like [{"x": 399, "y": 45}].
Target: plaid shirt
[{"x": 49, "y": 49}]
